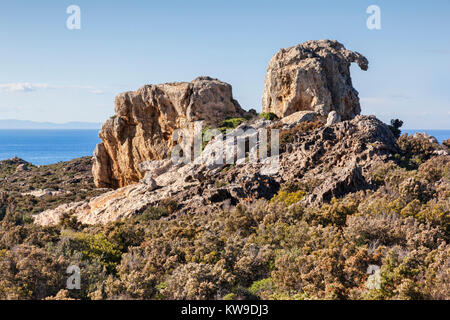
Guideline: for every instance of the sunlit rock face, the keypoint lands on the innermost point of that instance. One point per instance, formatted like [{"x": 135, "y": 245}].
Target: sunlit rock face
[
  {"x": 313, "y": 76},
  {"x": 145, "y": 120}
]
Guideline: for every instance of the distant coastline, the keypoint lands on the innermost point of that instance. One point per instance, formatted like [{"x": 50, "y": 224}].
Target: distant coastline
[{"x": 13, "y": 124}]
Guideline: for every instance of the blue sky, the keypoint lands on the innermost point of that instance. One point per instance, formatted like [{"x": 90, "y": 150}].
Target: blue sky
[{"x": 51, "y": 73}]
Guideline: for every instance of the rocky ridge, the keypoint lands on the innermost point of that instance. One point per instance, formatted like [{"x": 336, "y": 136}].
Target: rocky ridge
[{"x": 331, "y": 160}]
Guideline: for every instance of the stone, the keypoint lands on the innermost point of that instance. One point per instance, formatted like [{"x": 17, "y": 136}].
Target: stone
[
  {"x": 331, "y": 160},
  {"x": 299, "y": 117},
  {"x": 349, "y": 179},
  {"x": 441, "y": 152},
  {"x": 333, "y": 118},
  {"x": 22, "y": 167},
  {"x": 145, "y": 120},
  {"x": 313, "y": 76},
  {"x": 337, "y": 159},
  {"x": 425, "y": 136},
  {"x": 446, "y": 143},
  {"x": 155, "y": 168},
  {"x": 45, "y": 192}
]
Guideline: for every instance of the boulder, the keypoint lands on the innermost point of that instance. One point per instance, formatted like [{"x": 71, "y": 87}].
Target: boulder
[
  {"x": 446, "y": 143},
  {"x": 313, "y": 76},
  {"x": 333, "y": 118},
  {"x": 299, "y": 117},
  {"x": 22, "y": 167},
  {"x": 145, "y": 120},
  {"x": 425, "y": 136}
]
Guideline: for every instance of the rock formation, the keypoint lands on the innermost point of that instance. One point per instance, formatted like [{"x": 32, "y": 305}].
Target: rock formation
[
  {"x": 325, "y": 146},
  {"x": 308, "y": 80},
  {"x": 333, "y": 117},
  {"x": 312, "y": 76},
  {"x": 300, "y": 116},
  {"x": 330, "y": 160},
  {"x": 144, "y": 121}
]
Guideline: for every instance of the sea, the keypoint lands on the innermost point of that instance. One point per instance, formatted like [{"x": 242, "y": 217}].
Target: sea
[{"x": 41, "y": 147}]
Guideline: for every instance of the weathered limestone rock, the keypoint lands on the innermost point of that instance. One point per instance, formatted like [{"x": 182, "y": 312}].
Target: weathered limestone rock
[
  {"x": 333, "y": 118},
  {"x": 22, "y": 167},
  {"x": 314, "y": 76},
  {"x": 446, "y": 143},
  {"x": 300, "y": 116},
  {"x": 44, "y": 192},
  {"x": 144, "y": 121},
  {"x": 331, "y": 160},
  {"x": 337, "y": 159},
  {"x": 425, "y": 136}
]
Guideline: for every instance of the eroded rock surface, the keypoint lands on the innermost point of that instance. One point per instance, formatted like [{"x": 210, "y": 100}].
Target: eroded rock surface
[
  {"x": 300, "y": 116},
  {"x": 330, "y": 161},
  {"x": 314, "y": 76},
  {"x": 145, "y": 120}
]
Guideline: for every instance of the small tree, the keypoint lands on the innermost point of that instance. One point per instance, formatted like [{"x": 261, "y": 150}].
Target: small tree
[{"x": 395, "y": 126}]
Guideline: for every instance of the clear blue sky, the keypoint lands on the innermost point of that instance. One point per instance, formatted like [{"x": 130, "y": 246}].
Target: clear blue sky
[{"x": 50, "y": 73}]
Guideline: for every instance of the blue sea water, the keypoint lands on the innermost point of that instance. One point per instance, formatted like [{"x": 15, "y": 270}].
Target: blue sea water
[{"x": 42, "y": 147}]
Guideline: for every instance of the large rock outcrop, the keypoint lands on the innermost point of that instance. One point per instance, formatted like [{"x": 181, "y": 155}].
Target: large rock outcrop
[
  {"x": 144, "y": 121},
  {"x": 331, "y": 161},
  {"x": 314, "y": 76}
]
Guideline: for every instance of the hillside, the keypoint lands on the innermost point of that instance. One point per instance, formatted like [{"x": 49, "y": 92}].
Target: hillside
[
  {"x": 280, "y": 248},
  {"x": 189, "y": 196}
]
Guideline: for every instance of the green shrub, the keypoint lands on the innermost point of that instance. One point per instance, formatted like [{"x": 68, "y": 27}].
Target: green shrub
[
  {"x": 230, "y": 123},
  {"x": 165, "y": 208},
  {"x": 224, "y": 126},
  {"x": 269, "y": 116},
  {"x": 395, "y": 126},
  {"x": 262, "y": 288},
  {"x": 230, "y": 296},
  {"x": 96, "y": 248},
  {"x": 220, "y": 183},
  {"x": 154, "y": 213},
  {"x": 288, "y": 198},
  {"x": 414, "y": 150}
]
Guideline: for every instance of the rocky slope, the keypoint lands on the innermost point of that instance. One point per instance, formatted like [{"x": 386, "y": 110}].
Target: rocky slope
[
  {"x": 287, "y": 247},
  {"x": 330, "y": 161},
  {"x": 320, "y": 155},
  {"x": 314, "y": 76},
  {"x": 338, "y": 200},
  {"x": 28, "y": 189},
  {"x": 144, "y": 121}
]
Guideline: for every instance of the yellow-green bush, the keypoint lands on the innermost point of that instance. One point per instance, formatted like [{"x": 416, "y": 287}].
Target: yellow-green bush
[
  {"x": 96, "y": 247},
  {"x": 288, "y": 198}
]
